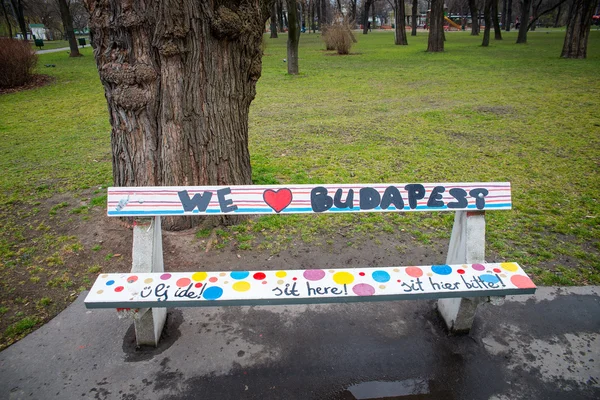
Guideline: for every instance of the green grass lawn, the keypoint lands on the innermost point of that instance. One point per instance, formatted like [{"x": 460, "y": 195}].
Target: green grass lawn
[
  {"x": 56, "y": 44},
  {"x": 386, "y": 113}
]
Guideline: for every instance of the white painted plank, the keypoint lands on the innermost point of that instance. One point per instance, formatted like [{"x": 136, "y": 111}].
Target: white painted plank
[
  {"x": 293, "y": 199},
  {"x": 197, "y": 289}
]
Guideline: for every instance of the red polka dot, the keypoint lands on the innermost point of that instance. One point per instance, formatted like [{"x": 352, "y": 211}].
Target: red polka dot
[
  {"x": 183, "y": 282},
  {"x": 399, "y": 280},
  {"x": 361, "y": 273},
  {"x": 259, "y": 276},
  {"x": 119, "y": 289},
  {"x": 213, "y": 279},
  {"x": 132, "y": 279},
  {"x": 497, "y": 270},
  {"x": 460, "y": 271},
  {"x": 198, "y": 285},
  {"x": 295, "y": 279}
]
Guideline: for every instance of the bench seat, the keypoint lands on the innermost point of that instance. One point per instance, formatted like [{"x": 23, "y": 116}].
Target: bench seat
[{"x": 245, "y": 288}]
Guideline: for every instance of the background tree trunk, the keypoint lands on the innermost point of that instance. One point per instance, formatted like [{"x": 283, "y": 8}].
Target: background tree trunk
[
  {"x": 415, "y": 6},
  {"x": 525, "y": 7},
  {"x": 400, "y": 18},
  {"x": 8, "y": 24},
  {"x": 435, "y": 42},
  {"x": 487, "y": 18},
  {"x": 293, "y": 37},
  {"x": 508, "y": 15},
  {"x": 274, "y": 21},
  {"x": 280, "y": 15},
  {"x": 496, "y": 21},
  {"x": 578, "y": 29},
  {"x": 179, "y": 80},
  {"x": 366, "y": 16},
  {"x": 67, "y": 20},
  {"x": 474, "y": 17},
  {"x": 17, "y": 6}
]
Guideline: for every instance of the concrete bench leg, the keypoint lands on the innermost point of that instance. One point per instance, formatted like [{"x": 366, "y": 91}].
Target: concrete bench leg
[
  {"x": 467, "y": 246},
  {"x": 147, "y": 256}
]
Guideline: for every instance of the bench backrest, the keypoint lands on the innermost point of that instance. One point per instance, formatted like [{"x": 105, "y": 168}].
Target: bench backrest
[{"x": 294, "y": 199}]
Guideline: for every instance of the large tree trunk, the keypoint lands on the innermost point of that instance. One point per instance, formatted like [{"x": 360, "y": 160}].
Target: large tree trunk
[
  {"x": 179, "y": 77},
  {"x": 474, "y": 17},
  {"x": 400, "y": 18},
  {"x": 578, "y": 29},
  {"x": 293, "y": 37},
  {"x": 67, "y": 20},
  {"x": 487, "y": 18},
  {"x": 496, "y": 21},
  {"x": 525, "y": 7},
  {"x": 273, "y": 25},
  {"x": 435, "y": 42},
  {"x": 508, "y": 15},
  {"x": 366, "y": 16},
  {"x": 415, "y": 6}
]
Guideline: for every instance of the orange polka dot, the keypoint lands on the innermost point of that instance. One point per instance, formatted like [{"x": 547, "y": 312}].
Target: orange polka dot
[
  {"x": 183, "y": 282},
  {"x": 415, "y": 272},
  {"x": 522, "y": 281}
]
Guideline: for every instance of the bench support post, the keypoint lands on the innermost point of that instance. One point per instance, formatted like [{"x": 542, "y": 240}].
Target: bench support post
[
  {"x": 467, "y": 246},
  {"x": 147, "y": 256}
]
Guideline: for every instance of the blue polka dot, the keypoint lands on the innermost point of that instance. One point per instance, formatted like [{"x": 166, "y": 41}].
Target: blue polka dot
[
  {"x": 111, "y": 282},
  {"x": 487, "y": 278},
  {"x": 442, "y": 269},
  {"x": 212, "y": 293},
  {"x": 239, "y": 274},
  {"x": 381, "y": 276}
]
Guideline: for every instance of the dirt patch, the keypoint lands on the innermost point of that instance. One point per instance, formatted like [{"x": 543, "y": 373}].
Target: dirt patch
[{"x": 35, "y": 82}]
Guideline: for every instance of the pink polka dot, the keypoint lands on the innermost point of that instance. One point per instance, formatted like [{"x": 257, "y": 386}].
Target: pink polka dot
[
  {"x": 213, "y": 279},
  {"x": 119, "y": 289},
  {"x": 522, "y": 281},
  {"x": 314, "y": 274},
  {"x": 164, "y": 277},
  {"x": 478, "y": 267},
  {"x": 415, "y": 272},
  {"x": 363, "y": 289},
  {"x": 132, "y": 279},
  {"x": 264, "y": 282},
  {"x": 183, "y": 282}
]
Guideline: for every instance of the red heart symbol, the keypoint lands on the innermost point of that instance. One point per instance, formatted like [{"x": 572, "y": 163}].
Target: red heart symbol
[{"x": 278, "y": 199}]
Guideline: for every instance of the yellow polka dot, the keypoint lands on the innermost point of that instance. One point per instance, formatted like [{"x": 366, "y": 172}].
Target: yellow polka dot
[
  {"x": 199, "y": 276},
  {"x": 105, "y": 276},
  {"x": 280, "y": 282},
  {"x": 465, "y": 266},
  {"x": 331, "y": 271},
  {"x": 281, "y": 274},
  {"x": 381, "y": 286},
  {"x": 502, "y": 275},
  {"x": 241, "y": 286},
  {"x": 100, "y": 291},
  {"x": 343, "y": 278},
  {"x": 226, "y": 283},
  {"x": 148, "y": 280},
  {"x": 429, "y": 274},
  {"x": 222, "y": 274},
  {"x": 512, "y": 267},
  {"x": 396, "y": 270}
]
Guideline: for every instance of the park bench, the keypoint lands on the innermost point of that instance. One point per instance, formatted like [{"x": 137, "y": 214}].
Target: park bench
[{"x": 463, "y": 282}]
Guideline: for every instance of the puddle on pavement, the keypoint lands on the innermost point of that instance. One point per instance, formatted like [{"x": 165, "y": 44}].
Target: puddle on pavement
[{"x": 410, "y": 389}]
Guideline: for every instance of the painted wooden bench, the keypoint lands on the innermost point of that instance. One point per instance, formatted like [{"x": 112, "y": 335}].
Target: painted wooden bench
[{"x": 459, "y": 285}]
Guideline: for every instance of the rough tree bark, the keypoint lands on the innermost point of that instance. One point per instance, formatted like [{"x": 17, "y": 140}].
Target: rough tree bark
[
  {"x": 400, "y": 23},
  {"x": 578, "y": 29},
  {"x": 293, "y": 37},
  {"x": 415, "y": 6},
  {"x": 67, "y": 21},
  {"x": 273, "y": 17},
  {"x": 474, "y": 17},
  {"x": 496, "y": 21},
  {"x": 435, "y": 42},
  {"x": 179, "y": 77},
  {"x": 525, "y": 8},
  {"x": 487, "y": 18},
  {"x": 367, "y": 4}
]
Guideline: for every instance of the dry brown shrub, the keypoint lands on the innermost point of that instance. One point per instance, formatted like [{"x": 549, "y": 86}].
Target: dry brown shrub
[
  {"x": 17, "y": 61},
  {"x": 338, "y": 36}
]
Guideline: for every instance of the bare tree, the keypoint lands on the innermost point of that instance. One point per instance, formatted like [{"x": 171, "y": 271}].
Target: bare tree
[
  {"x": 19, "y": 11},
  {"x": 474, "y": 17},
  {"x": 487, "y": 18},
  {"x": 274, "y": 20},
  {"x": 413, "y": 22},
  {"x": 435, "y": 42},
  {"x": 367, "y": 5},
  {"x": 293, "y": 37},
  {"x": 400, "y": 23},
  {"x": 578, "y": 29},
  {"x": 67, "y": 20},
  {"x": 495, "y": 20},
  {"x": 6, "y": 18}
]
